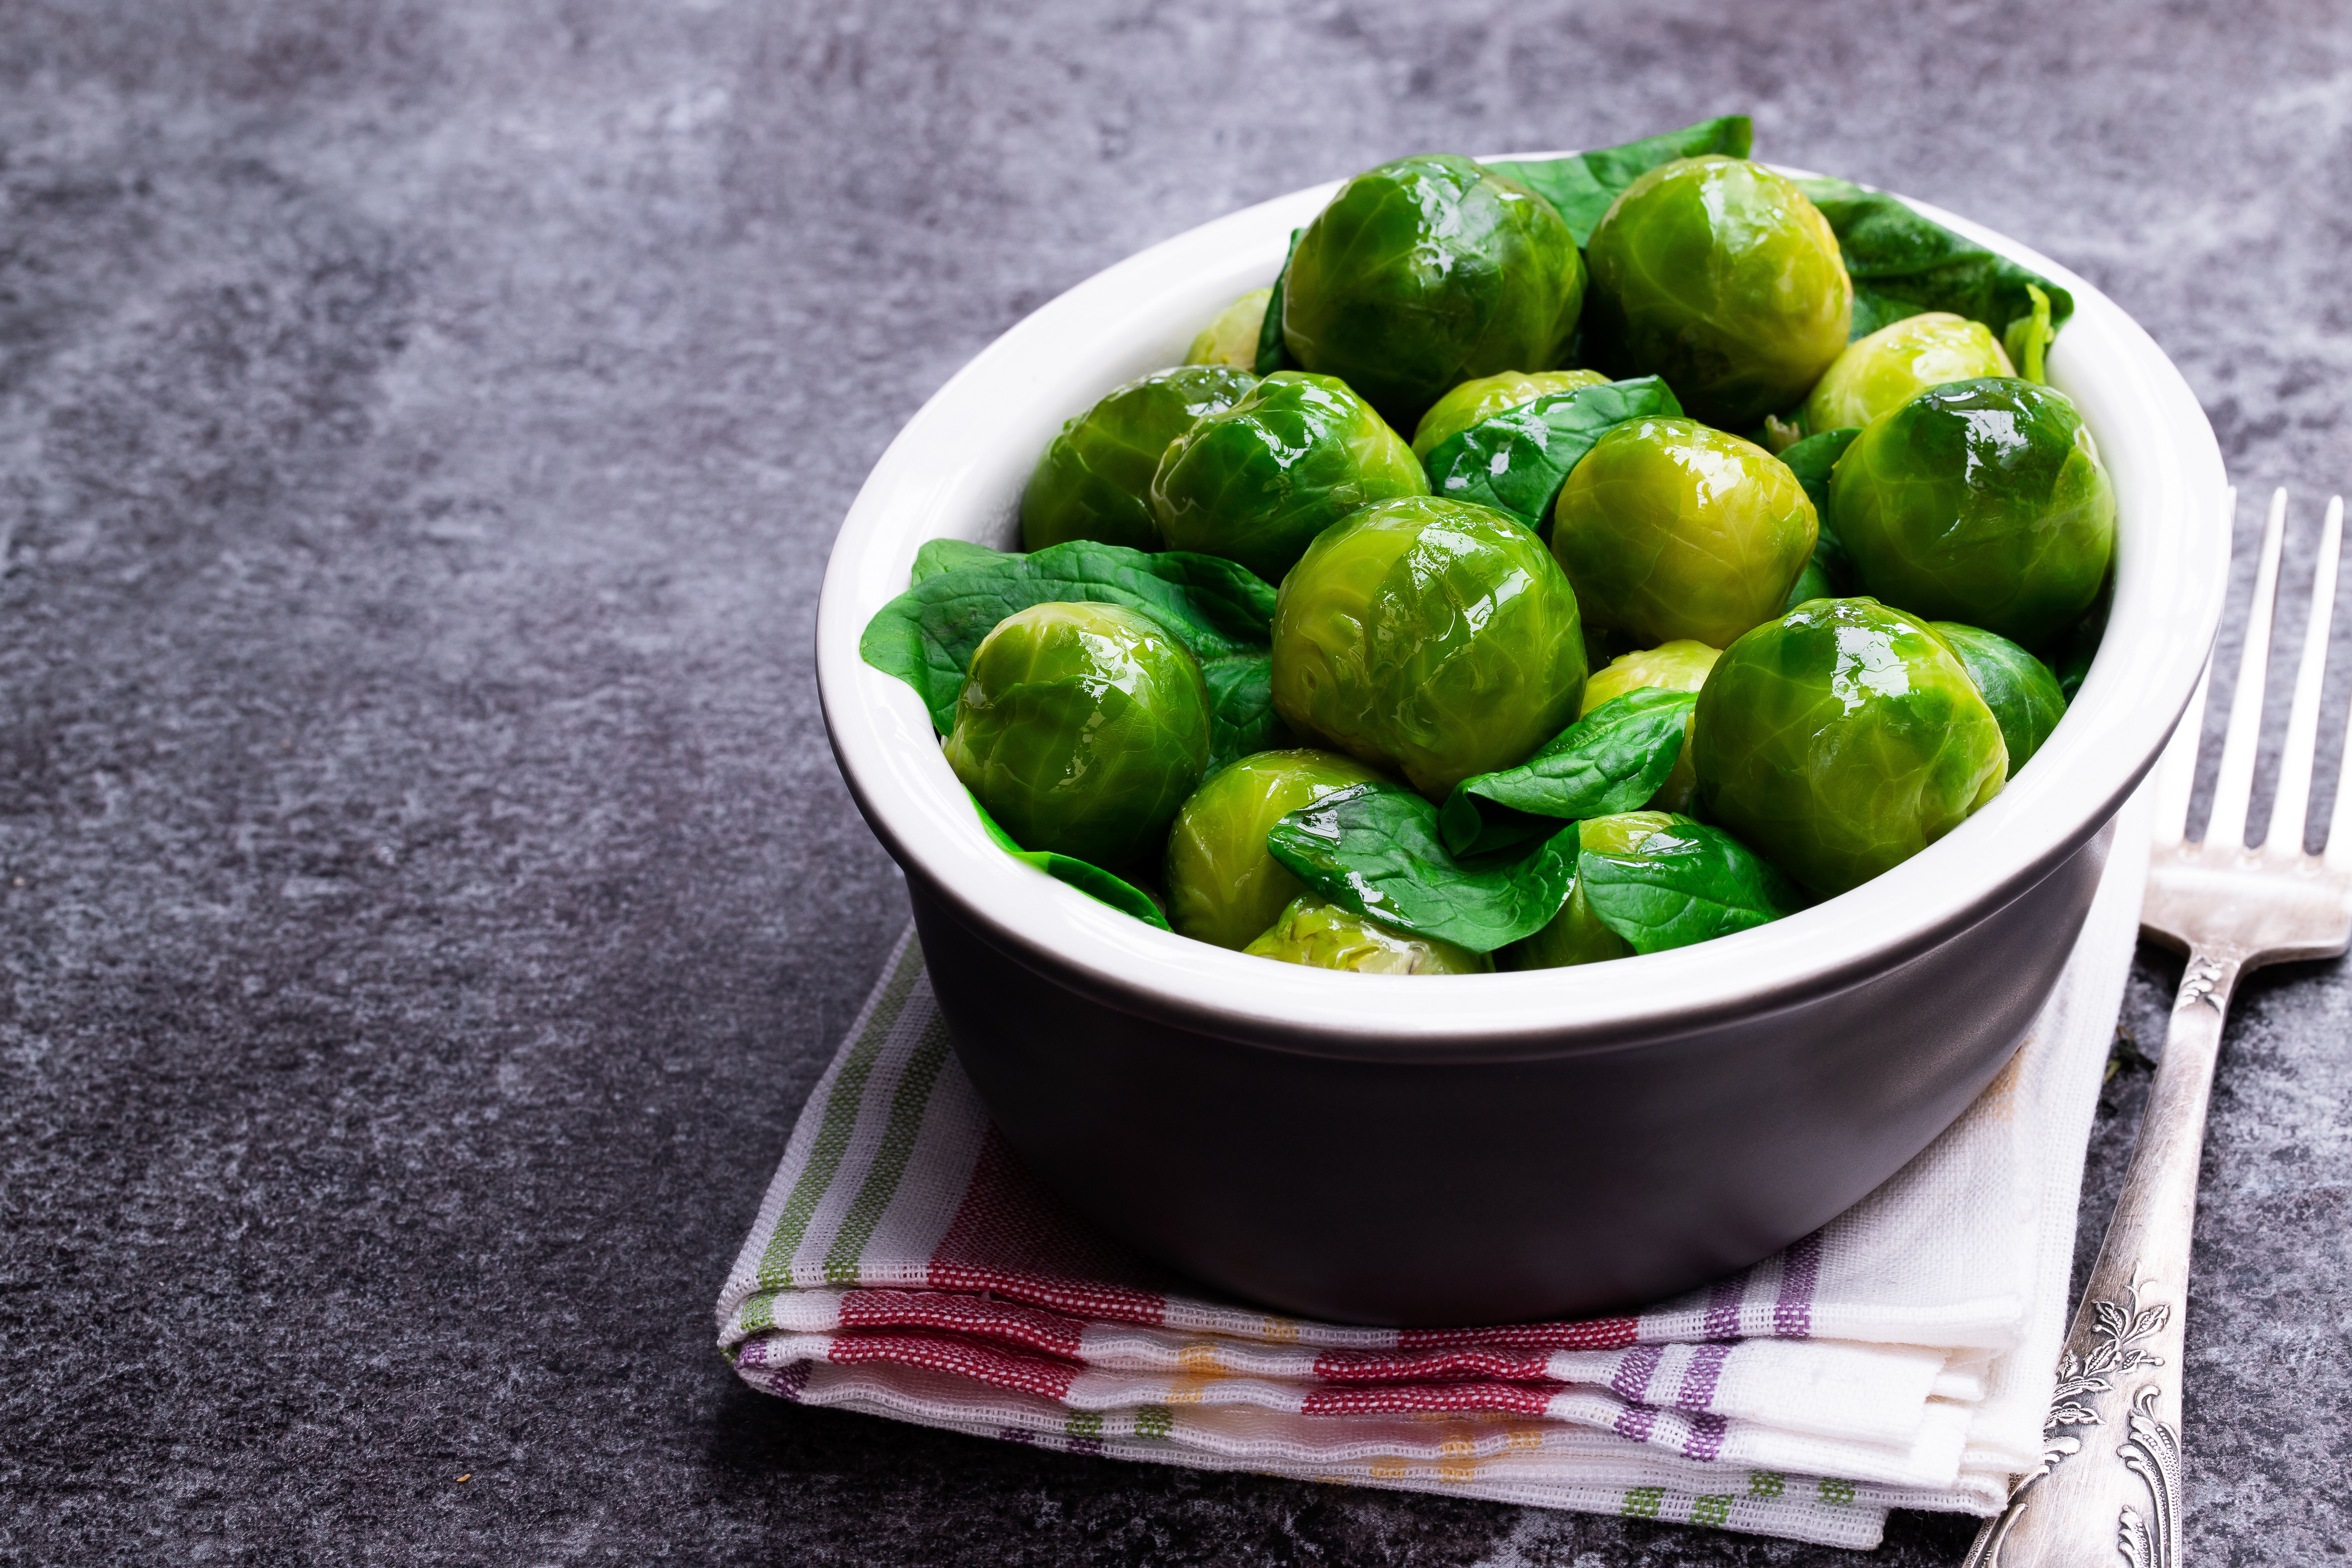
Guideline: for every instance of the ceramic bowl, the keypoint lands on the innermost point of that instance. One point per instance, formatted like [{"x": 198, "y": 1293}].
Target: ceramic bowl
[{"x": 1424, "y": 1150}]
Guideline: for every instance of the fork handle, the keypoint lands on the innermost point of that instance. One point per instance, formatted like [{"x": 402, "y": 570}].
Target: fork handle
[{"x": 2109, "y": 1482}]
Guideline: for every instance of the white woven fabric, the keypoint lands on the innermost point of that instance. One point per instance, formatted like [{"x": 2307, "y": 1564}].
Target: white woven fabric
[{"x": 903, "y": 1265}]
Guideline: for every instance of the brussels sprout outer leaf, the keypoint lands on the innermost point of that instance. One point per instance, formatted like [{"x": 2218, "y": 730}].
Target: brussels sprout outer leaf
[
  {"x": 1609, "y": 761},
  {"x": 1221, "y": 611},
  {"x": 938, "y": 557},
  {"x": 1273, "y": 353},
  {"x": 1683, "y": 884},
  {"x": 1902, "y": 264},
  {"x": 1829, "y": 573},
  {"x": 1375, "y": 849},
  {"x": 2023, "y": 692},
  {"x": 1517, "y": 461},
  {"x": 1582, "y": 185},
  {"x": 1085, "y": 877},
  {"x": 2027, "y": 340}
]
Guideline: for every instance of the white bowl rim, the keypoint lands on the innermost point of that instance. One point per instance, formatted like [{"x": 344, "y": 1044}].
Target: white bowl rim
[{"x": 955, "y": 471}]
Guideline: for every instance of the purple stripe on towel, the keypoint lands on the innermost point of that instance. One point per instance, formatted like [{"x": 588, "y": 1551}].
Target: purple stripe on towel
[
  {"x": 1635, "y": 1421},
  {"x": 1697, "y": 1390},
  {"x": 1801, "y": 1272},
  {"x": 1722, "y": 1320},
  {"x": 788, "y": 1382},
  {"x": 1631, "y": 1379},
  {"x": 1705, "y": 1440}
]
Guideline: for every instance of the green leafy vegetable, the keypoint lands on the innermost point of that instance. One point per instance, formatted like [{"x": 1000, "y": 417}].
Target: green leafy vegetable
[
  {"x": 1582, "y": 185},
  {"x": 1375, "y": 849},
  {"x": 1684, "y": 883},
  {"x": 1829, "y": 573},
  {"x": 1902, "y": 264},
  {"x": 2027, "y": 341},
  {"x": 1085, "y": 875},
  {"x": 1221, "y": 612},
  {"x": 1609, "y": 761},
  {"x": 1273, "y": 354},
  {"x": 1517, "y": 461}
]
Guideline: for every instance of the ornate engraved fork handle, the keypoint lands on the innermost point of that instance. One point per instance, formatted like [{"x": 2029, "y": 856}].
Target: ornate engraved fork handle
[{"x": 2109, "y": 1484}]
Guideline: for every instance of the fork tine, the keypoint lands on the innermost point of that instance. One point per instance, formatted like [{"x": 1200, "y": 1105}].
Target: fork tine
[
  {"x": 2235, "y": 788},
  {"x": 2288, "y": 813}
]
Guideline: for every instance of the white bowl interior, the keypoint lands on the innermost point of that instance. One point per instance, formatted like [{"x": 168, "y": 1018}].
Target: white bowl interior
[{"x": 957, "y": 471}]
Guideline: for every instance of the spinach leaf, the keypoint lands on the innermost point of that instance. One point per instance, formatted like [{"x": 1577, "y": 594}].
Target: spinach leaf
[
  {"x": 1612, "y": 760},
  {"x": 1829, "y": 573},
  {"x": 1374, "y": 848},
  {"x": 1582, "y": 185},
  {"x": 2027, "y": 341},
  {"x": 1273, "y": 353},
  {"x": 1902, "y": 264},
  {"x": 1517, "y": 461},
  {"x": 1683, "y": 884},
  {"x": 938, "y": 557},
  {"x": 1221, "y": 611},
  {"x": 1085, "y": 875}
]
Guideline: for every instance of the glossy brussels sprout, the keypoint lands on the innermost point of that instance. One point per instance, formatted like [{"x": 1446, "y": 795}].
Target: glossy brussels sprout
[
  {"x": 2020, "y": 690},
  {"x": 1222, "y": 885},
  {"x": 1093, "y": 479},
  {"x": 1432, "y": 637},
  {"x": 1720, "y": 275},
  {"x": 1475, "y": 401},
  {"x": 1255, "y": 482},
  {"x": 1670, "y": 667},
  {"x": 1426, "y": 272},
  {"x": 1886, "y": 369},
  {"x": 1980, "y": 501},
  {"x": 1081, "y": 728},
  {"x": 1232, "y": 338},
  {"x": 1841, "y": 739},
  {"x": 1576, "y": 934},
  {"x": 1670, "y": 530},
  {"x": 1325, "y": 936}
]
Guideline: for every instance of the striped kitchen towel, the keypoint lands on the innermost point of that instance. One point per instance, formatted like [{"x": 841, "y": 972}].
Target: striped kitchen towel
[{"x": 904, "y": 1264}]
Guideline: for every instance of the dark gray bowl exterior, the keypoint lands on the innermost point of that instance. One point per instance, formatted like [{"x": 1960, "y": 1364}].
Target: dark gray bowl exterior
[{"x": 1502, "y": 1188}]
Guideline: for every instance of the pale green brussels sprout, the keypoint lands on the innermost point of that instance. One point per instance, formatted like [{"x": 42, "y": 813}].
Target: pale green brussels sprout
[
  {"x": 2023, "y": 692},
  {"x": 1475, "y": 401},
  {"x": 1222, "y": 885},
  {"x": 1255, "y": 482},
  {"x": 1720, "y": 275},
  {"x": 1325, "y": 936},
  {"x": 1433, "y": 638},
  {"x": 1886, "y": 369},
  {"x": 1093, "y": 479},
  {"x": 1576, "y": 935},
  {"x": 1232, "y": 337},
  {"x": 1679, "y": 665},
  {"x": 1980, "y": 501},
  {"x": 1426, "y": 272},
  {"x": 1843, "y": 739},
  {"x": 1672, "y": 530},
  {"x": 1081, "y": 727}
]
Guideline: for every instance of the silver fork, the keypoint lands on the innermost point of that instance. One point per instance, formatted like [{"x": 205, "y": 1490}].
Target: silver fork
[{"x": 2109, "y": 1482}]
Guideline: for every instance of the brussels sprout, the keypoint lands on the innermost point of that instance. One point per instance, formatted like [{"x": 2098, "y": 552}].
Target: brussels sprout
[
  {"x": 1475, "y": 401},
  {"x": 1255, "y": 482},
  {"x": 1093, "y": 479},
  {"x": 1980, "y": 501},
  {"x": 1432, "y": 637},
  {"x": 1232, "y": 338},
  {"x": 1884, "y": 370},
  {"x": 1720, "y": 275},
  {"x": 1672, "y": 666},
  {"x": 1576, "y": 934},
  {"x": 1841, "y": 739},
  {"x": 1672, "y": 530},
  {"x": 1222, "y": 885},
  {"x": 1325, "y": 936},
  {"x": 1426, "y": 272},
  {"x": 1081, "y": 728},
  {"x": 2020, "y": 690}
]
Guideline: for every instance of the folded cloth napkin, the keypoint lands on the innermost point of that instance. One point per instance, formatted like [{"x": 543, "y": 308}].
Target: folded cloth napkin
[{"x": 905, "y": 1265}]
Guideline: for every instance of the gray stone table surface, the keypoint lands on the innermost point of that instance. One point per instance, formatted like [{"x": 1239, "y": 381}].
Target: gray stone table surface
[{"x": 426, "y": 894}]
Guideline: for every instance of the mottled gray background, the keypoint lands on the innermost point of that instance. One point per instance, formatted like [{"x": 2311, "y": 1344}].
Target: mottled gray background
[{"x": 425, "y": 895}]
